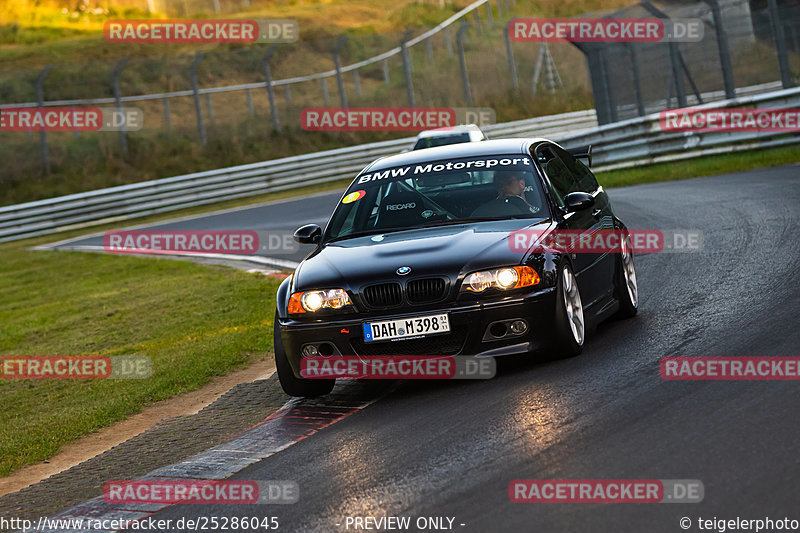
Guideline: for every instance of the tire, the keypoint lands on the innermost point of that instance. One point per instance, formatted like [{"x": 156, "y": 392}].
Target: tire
[
  {"x": 291, "y": 384},
  {"x": 570, "y": 323},
  {"x": 627, "y": 288}
]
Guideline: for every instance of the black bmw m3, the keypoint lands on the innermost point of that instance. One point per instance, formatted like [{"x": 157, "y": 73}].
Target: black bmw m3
[{"x": 418, "y": 259}]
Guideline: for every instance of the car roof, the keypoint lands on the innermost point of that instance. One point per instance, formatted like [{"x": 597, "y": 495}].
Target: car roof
[
  {"x": 453, "y": 130},
  {"x": 456, "y": 151}
]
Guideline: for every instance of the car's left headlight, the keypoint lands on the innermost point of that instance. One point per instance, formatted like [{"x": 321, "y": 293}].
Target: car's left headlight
[
  {"x": 311, "y": 301},
  {"x": 501, "y": 278}
]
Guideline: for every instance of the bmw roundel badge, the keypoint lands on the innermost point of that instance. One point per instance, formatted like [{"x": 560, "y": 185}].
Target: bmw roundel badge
[{"x": 402, "y": 271}]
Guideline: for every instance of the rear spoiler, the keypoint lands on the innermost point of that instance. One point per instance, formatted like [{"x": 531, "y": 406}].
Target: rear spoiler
[{"x": 582, "y": 152}]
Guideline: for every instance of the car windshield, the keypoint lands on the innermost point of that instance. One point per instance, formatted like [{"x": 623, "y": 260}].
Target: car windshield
[
  {"x": 441, "y": 140},
  {"x": 438, "y": 193}
]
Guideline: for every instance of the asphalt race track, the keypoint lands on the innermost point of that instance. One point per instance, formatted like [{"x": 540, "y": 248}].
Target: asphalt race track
[
  {"x": 276, "y": 218},
  {"x": 450, "y": 449}
]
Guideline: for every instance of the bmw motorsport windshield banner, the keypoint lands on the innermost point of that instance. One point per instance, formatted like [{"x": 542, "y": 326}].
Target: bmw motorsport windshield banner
[{"x": 489, "y": 163}]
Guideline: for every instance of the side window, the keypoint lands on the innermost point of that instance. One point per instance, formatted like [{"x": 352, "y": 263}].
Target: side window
[
  {"x": 562, "y": 180},
  {"x": 586, "y": 181}
]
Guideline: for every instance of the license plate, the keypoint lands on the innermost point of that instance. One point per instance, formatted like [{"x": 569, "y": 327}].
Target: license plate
[{"x": 406, "y": 327}]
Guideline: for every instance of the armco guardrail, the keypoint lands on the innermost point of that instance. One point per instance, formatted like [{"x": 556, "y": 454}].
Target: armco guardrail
[
  {"x": 641, "y": 141},
  {"x": 628, "y": 143},
  {"x": 140, "y": 199}
]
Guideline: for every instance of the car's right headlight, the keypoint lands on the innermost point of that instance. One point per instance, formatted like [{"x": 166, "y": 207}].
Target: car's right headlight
[
  {"x": 501, "y": 278},
  {"x": 312, "y": 301}
]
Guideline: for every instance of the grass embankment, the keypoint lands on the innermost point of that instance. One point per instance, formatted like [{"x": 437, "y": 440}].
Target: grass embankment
[
  {"x": 701, "y": 166},
  {"x": 195, "y": 322},
  {"x": 84, "y": 61}
]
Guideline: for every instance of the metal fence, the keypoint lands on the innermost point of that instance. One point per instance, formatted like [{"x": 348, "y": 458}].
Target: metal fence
[
  {"x": 467, "y": 60},
  {"x": 626, "y": 143},
  {"x": 281, "y": 84},
  {"x": 744, "y": 41}
]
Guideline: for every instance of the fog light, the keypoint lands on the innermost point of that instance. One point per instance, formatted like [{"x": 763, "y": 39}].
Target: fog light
[
  {"x": 309, "y": 350},
  {"x": 518, "y": 327}
]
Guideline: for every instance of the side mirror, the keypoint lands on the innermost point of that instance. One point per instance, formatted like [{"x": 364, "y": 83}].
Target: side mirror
[
  {"x": 578, "y": 201},
  {"x": 308, "y": 234}
]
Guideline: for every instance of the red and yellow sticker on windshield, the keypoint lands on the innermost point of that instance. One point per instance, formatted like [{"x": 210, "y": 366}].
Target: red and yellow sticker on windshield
[{"x": 353, "y": 197}]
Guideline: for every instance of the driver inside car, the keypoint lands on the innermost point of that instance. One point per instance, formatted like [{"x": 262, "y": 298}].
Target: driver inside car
[{"x": 510, "y": 200}]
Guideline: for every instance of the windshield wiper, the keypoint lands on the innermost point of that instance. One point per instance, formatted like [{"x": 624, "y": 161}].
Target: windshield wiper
[
  {"x": 467, "y": 220},
  {"x": 364, "y": 234},
  {"x": 428, "y": 225}
]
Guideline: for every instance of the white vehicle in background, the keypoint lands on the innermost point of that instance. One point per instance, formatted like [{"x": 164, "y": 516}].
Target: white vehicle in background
[{"x": 441, "y": 136}]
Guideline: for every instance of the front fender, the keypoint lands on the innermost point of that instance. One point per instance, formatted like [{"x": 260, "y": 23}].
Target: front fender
[{"x": 282, "y": 298}]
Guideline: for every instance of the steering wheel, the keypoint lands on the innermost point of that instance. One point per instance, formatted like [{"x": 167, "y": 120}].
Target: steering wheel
[{"x": 520, "y": 203}]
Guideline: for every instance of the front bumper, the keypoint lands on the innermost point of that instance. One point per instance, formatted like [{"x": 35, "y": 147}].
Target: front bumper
[{"x": 468, "y": 324}]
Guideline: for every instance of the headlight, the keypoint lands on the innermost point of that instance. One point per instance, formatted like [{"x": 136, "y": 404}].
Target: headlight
[
  {"x": 501, "y": 278},
  {"x": 479, "y": 281},
  {"x": 311, "y": 301},
  {"x": 507, "y": 278}
]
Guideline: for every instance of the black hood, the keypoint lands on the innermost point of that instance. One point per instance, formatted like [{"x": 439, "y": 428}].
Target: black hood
[{"x": 452, "y": 250}]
